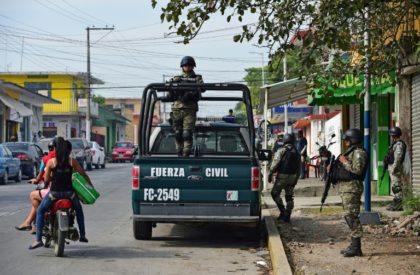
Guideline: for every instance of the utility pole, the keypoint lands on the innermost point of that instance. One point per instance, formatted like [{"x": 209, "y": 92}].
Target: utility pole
[
  {"x": 88, "y": 92},
  {"x": 21, "y": 53},
  {"x": 286, "y": 117},
  {"x": 367, "y": 217}
]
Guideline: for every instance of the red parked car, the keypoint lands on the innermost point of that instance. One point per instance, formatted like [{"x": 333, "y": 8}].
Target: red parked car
[{"x": 123, "y": 151}]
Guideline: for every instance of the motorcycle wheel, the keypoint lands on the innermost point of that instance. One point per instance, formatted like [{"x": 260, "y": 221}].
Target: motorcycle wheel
[{"x": 59, "y": 242}]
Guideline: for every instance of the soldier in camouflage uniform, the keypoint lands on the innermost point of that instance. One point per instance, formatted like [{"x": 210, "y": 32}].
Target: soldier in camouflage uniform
[
  {"x": 185, "y": 107},
  {"x": 396, "y": 153},
  {"x": 286, "y": 165},
  {"x": 353, "y": 165}
]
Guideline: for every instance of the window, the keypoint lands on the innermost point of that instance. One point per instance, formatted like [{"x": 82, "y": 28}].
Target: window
[
  {"x": 210, "y": 141},
  {"x": 130, "y": 106},
  {"x": 76, "y": 144},
  {"x": 42, "y": 88}
]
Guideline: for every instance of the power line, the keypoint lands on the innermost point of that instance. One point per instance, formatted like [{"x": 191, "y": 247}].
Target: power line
[
  {"x": 74, "y": 18},
  {"x": 85, "y": 13}
]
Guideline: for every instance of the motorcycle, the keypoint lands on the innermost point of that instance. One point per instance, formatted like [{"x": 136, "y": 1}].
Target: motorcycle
[
  {"x": 59, "y": 226},
  {"x": 324, "y": 157}
]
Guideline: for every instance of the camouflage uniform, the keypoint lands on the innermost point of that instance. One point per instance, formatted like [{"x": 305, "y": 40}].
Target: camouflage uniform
[
  {"x": 184, "y": 113},
  {"x": 395, "y": 169},
  {"x": 284, "y": 181},
  {"x": 351, "y": 191}
]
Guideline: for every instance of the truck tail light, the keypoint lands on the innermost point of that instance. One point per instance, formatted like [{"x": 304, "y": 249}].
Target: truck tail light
[
  {"x": 135, "y": 183},
  {"x": 255, "y": 178}
]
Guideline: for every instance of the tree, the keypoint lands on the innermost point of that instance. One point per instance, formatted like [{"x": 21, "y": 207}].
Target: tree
[
  {"x": 274, "y": 73},
  {"x": 98, "y": 99},
  {"x": 328, "y": 30}
]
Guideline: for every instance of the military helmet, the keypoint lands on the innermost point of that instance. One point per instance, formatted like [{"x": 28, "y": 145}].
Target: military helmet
[
  {"x": 187, "y": 60},
  {"x": 354, "y": 135},
  {"x": 289, "y": 138},
  {"x": 51, "y": 145},
  {"x": 395, "y": 131}
]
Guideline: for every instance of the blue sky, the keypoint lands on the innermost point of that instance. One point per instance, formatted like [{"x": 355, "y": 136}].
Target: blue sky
[{"x": 134, "y": 54}]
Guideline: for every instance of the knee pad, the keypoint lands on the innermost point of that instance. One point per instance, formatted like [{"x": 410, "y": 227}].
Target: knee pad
[
  {"x": 351, "y": 221},
  {"x": 396, "y": 189},
  {"x": 187, "y": 135},
  {"x": 289, "y": 197},
  {"x": 274, "y": 194},
  {"x": 178, "y": 136}
]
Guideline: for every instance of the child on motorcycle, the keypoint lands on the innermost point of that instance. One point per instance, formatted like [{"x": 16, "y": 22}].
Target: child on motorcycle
[{"x": 59, "y": 171}]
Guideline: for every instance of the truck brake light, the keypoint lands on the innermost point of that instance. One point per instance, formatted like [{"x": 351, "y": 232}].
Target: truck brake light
[
  {"x": 135, "y": 184},
  {"x": 255, "y": 178}
]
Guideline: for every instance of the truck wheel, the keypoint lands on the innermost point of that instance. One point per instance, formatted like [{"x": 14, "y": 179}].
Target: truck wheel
[{"x": 142, "y": 230}]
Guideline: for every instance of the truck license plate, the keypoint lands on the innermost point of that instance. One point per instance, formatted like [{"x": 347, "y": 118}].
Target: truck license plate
[{"x": 161, "y": 194}]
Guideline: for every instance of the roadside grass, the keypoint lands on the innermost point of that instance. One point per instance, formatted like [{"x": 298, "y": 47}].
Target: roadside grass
[
  {"x": 411, "y": 205},
  {"x": 326, "y": 211}
]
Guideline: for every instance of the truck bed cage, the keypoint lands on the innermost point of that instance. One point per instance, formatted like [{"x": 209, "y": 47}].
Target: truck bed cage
[{"x": 150, "y": 97}]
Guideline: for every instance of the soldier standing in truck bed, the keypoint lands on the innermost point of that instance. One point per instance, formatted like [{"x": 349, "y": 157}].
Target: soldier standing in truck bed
[{"x": 185, "y": 107}]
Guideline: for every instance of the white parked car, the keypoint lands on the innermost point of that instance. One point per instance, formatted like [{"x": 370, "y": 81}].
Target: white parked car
[{"x": 98, "y": 155}]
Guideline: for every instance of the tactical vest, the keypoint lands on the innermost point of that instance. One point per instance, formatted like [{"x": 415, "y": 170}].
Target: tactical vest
[
  {"x": 186, "y": 97},
  {"x": 289, "y": 163},
  {"x": 390, "y": 158},
  {"x": 341, "y": 174}
]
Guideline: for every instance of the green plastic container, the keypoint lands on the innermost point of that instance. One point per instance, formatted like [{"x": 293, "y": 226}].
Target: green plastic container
[{"x": 86, "y": 193}]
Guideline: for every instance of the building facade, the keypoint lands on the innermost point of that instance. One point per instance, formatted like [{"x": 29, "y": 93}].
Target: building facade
[
  {"x": 21, "y": 113},
  {"x": 66, "y": 119}
]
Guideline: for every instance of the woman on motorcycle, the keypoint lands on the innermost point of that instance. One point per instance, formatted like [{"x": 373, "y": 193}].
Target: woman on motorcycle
[
  {"x": 59, "y": 171},
  {"x": 36, "y": 196}
]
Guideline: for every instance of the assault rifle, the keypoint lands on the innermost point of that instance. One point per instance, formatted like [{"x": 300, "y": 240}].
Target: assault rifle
[
  {"x": 329, "y": 180},
  {"x": 388, "y": 159}
]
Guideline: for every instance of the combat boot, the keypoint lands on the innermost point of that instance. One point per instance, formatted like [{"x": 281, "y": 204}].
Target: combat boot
[
  {"x": 345, "y": 249},
  {"x": 282, "y": 213},
  {"x": 355, "y": 248},
  {"x": 286, "y": 217},
  {"x": 396, "y": 205}
]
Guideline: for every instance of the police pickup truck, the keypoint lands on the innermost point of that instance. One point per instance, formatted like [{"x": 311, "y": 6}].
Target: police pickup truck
[{"x": 219, "y": 182}]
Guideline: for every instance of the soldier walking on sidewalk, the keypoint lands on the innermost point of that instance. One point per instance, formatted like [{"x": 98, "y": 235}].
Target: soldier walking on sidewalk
[
  {"x": 350, "y": 174},
  {"x": 395, "y": 159},
  {"x": 286, "y": 166}
]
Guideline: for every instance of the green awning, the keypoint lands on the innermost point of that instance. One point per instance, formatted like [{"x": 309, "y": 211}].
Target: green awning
[{"x": 349, "y": 90}]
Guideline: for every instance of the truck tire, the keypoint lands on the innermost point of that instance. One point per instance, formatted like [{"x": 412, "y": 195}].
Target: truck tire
[{"x": 142, "y": 230}]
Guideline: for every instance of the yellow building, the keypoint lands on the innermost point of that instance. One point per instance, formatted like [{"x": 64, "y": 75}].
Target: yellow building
[
  {"x": 68, "y": 118},
  {"x": 20, "y": 112}
]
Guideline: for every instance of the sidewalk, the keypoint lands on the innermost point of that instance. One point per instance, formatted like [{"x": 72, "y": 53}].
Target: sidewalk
[{"x": 308, "y": 194}]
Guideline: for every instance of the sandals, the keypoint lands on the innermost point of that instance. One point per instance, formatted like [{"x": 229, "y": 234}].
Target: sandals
[
  {"x": 23, "y": 228},
  {"x": 40, "y": 244}
]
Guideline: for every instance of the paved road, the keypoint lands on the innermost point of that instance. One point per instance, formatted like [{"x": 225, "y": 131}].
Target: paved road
[{"x": 175, "y": 249}]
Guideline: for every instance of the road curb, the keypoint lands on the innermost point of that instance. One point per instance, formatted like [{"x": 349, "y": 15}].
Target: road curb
[{"x": 278, "y": 256}]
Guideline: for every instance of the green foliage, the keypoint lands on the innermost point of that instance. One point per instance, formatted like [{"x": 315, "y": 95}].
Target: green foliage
[
  {"x": 98, "y": 99},
  {"x": 411, "y": 205},
  {"x": 273, "y": 73},
  {"x": 331, "y": 29}
]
